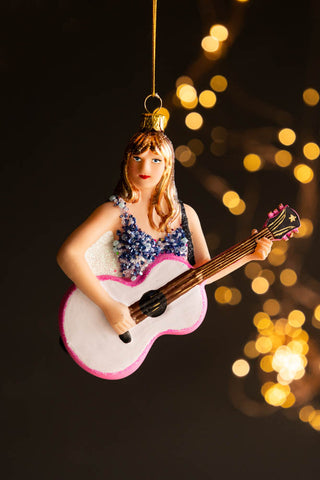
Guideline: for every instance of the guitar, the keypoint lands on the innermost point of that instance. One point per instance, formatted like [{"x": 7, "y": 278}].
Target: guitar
[{"x": 168, "y": 299}]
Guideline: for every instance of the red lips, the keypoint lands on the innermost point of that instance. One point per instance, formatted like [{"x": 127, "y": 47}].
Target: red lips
[{"x": 144, "y": 176}]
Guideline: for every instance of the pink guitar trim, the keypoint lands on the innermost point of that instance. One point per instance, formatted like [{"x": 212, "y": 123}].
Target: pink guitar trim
[{"x": 132, "y": 368}]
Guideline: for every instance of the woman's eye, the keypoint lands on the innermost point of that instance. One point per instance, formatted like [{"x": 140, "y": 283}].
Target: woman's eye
[
  {"x": 137, "y": 159},
  {"x": 156, "y": 160}
]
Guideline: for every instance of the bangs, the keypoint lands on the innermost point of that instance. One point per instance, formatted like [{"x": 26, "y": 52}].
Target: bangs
[{"x": 155, "y": 141}]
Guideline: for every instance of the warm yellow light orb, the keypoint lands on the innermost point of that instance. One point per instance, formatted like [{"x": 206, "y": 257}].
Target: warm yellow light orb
[
  {"x": 223, "y": 295},
  {"x": 276, "y": 395},
  {"x": 252, "y": 270},
  {"x": 263, "y": 344},
  {"x": 252, "y": 162},
  {"x": 230, "y": 199},
  {"x": 311, "y": 97},
  {"x": 236, "y": 296},
  {"x": 306, "y": 228},
  {"x": 315, "y": 420},
  {"x": 241, "y": 367},
  {"x": 296, "y": 318},
  {"x": 218, "y": 83},
  {"x": 185, "y": 156},
  {"x": 239, "y": 209},
  {"x": 250, "y": 349},
  {"x": 287, "y": 136},
  {"x": 220, "y": 32},
  {"x": 261, "y": 320},
  {"x": 290, "y": 401},
  {"x": 184, "y": 79},
  {"x": 311, "y": 151},
  {"x": 196, "y": 146},
  {"x": 210, "y": 44},
  {"x": 283, "y": 158},
  {"x": 260, "y": 285},
  {"x": 266, "y": 363},
  {"x": 288, "y": 277},
  {"x": 271, "y": 306},
  {"x": 189, "y": 105},
  {"x": 186, "y": 93},
  {"x": 242, "y": 1},
  {"x": 207, "y": 98},
  {"x": 317, "y": 313},
  {"x": 276, "y": 257},
  {"x": 194, "y": 121},
  {"x": 305, "y": 413},
  {"x": 303, "y": 173}
]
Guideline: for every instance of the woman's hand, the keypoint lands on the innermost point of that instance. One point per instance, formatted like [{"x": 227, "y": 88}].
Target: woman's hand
[
  {"x": 263, "y": 248},
  {"x": 118, "y": 315}
]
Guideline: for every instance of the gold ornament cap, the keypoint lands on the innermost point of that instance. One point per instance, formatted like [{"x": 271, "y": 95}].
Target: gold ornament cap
[{"x": 152, "y": 121}]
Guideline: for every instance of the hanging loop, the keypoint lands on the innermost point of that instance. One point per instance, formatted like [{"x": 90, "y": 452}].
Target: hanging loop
[{"x": 152, "y": 95}]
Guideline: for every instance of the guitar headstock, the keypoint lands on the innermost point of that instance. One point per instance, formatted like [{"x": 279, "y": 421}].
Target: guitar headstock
[{"x": 283, "y": 222}]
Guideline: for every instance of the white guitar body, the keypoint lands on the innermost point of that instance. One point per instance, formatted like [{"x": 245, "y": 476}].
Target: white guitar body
[{"x": 95, "y": 346}]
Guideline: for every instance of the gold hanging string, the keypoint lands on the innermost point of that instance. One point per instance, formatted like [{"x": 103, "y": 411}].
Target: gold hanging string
[{"x": 154, "y": 38}]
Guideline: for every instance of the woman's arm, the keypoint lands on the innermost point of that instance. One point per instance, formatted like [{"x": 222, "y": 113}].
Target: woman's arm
[
  {"x": 202, "y": 255},
  {"x": 71, "y": 259}
]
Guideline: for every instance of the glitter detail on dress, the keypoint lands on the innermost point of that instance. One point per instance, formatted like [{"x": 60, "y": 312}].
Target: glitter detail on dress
[
  {"x": 136, "y": 249},
  {"x": 101, "y": 257}
]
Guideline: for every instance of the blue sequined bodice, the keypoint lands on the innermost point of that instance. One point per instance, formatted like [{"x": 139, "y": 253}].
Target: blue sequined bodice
[{"x": 136, "y": 249}]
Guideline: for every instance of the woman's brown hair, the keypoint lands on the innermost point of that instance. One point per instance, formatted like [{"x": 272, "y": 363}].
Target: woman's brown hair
[{"x": 164, "y": 198}]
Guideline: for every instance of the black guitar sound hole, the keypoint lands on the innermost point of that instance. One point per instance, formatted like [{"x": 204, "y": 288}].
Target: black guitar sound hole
[{"x": 153, "y": 303}]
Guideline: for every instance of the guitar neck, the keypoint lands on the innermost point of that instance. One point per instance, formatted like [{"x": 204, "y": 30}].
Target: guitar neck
[{"x": 195, "y": 276}]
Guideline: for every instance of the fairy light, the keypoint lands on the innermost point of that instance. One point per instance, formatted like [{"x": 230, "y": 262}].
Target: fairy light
[
  {"x": 315, "y": 420},
  {"x": 252, "y": 270},
  {"x": 250, "y": 349},
  {"x": 289, "y": 402},
  {"x": 261, "y": 320},
  {"x": 219, "y": 134},
  {"x": 268, "y": 275},
  {"x": 196, "y": 146},
  {"x": 305, "y": 413},
  {"x": 207, "y": 98},
  {"x": 283, "y": 158},
  {"x": 220, "y": 32},
  {"x": 271, "y": 306},
  {"x": 184, "y": 80},
  {"x": 317, "y": 313},
  {"x": 241, "y": 368},
  {"x": 186, "y": 93},
  {"x": 185, "y": 156},
  {"x": 311, "y": 150},
  {"x": 263, "y": 344},
  {"x": 288, "y": 277},
  {"x": 239, "y": 209},
  {"x": 311, "y": 97},
  {"x": 296, "y": 318},
  {"x": 210, "y": 44},
  {"x": 223, "y": 295},
  {"x": 287, "y": 136},
  {"x": 230, "y": 199},
  {"x": 306, "y": 228},
  {"x": 266, "y": 363},
  {"x": 252, "y": 162},
  {"x": 276, "y": 394},
  {"x": 219, "y": 83},
  {"x": 260, "y": 285},
  {"x": 303, "y": 173},
  {"x": 236, "y": 296},
  {"x": 277, "y": 256},
  {"x": 194, "y": 121}
]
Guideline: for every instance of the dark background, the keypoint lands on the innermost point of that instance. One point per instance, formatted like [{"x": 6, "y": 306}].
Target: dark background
[{"x": 74, "y": 76}]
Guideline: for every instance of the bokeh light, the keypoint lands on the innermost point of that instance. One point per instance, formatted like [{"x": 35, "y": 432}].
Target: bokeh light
[
  {"x": 185, "y": 156},
  {"x": 196, "y": 146},
  {"x": 271, "y": 307},
  {"x": 311, "y": 151},
  {"x": 194, "y": 121},
  {"x": 241, "y": 367},
  {"x": 288, "y": 277},
  {"x": 207, "y": 98},
  {"x": 210, "y": 44},
  {"x": 287, "y": 136},
  {"x": 305, "y": 413},
  {"x": 220, "y": 32},
  {"x": 252, "y": 269},
  {"x": 252, "y": 162},
  {"x": 218, "y": 83},
  {"x": 250, "y": 349},
  {"x": 223, "y": 295},
  {"x": 303, "y": 173},
  {"x": 311, "y": 97},
  {"x": 230, "y": 199},
  {"x": 184, "y": 79},
  {"x": 219, "y": 134},
  {"x": 283, "y": 158},
  {"x": 296, "y": 318},
  {"x": 306, "y": 228},
  {"x": 260, "y": 285},
  {"x": 239, "y": 209}
]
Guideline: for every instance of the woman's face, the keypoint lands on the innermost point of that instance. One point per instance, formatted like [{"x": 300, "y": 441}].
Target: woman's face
[{"x": 145, "y": 170}]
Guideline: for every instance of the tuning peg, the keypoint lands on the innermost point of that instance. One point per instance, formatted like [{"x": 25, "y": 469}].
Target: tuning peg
[
  {"x": 275, "y": 211},
  {"x": 281, "y": 206},
  {"x": 285, "y": 238},
  {"x": 295, "y": 230},
  {"x": 270, "y": 214}
]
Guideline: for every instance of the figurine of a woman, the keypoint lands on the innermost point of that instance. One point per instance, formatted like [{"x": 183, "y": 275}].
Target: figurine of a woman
[{"x": 146, "y": 219}]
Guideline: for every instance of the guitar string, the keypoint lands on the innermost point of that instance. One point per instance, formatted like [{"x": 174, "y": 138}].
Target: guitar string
[{"x": 224, "y": 259}]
